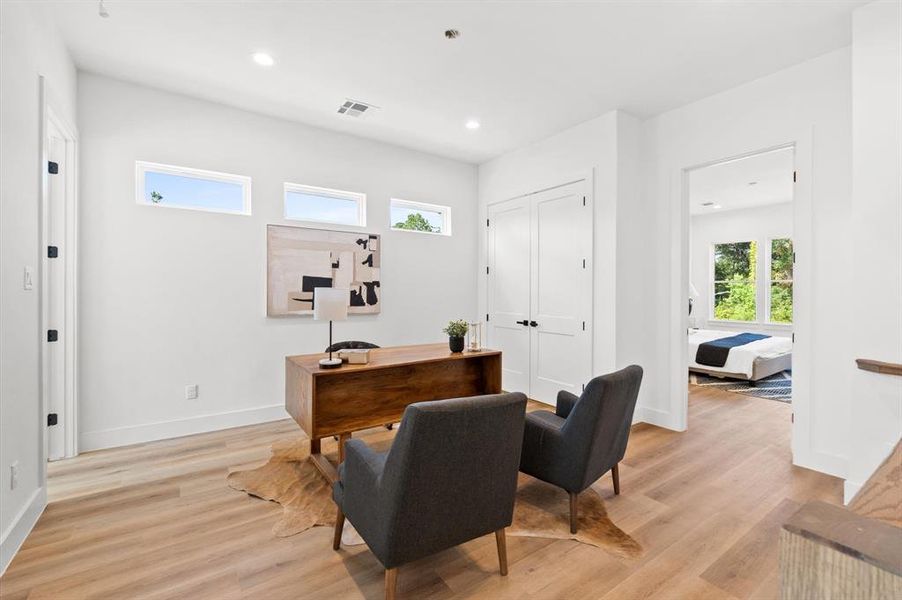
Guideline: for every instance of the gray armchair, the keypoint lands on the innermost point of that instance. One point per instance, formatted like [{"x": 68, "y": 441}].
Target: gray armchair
[
  {"x": 450, "y": 476},
  {"x": 585, "y": 437}
]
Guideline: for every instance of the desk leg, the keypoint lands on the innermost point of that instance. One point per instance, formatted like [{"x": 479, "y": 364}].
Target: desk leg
[{"x": 315, "y": 446}]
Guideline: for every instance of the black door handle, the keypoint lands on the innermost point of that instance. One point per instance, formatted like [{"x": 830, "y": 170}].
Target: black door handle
[
  {"x": 533, "y": 324},
  {"x": 524, "y": 323}
]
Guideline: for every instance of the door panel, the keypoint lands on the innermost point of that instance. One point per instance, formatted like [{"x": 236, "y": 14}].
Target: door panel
[
  {"x": 561, "y": 298},
  {"x": 508, "y": 290}
]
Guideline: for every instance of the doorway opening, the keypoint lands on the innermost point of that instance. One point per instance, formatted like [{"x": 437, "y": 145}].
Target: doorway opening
[
  {"x": 58, "y": 222},
  {"x": 740, "y": 293}
]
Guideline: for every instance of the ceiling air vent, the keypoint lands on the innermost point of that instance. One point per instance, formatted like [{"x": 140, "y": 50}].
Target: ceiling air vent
[{"x": 356, "y": 108}]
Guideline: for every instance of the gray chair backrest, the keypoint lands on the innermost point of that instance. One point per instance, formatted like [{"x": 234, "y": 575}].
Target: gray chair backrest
[
  {"x": 598, "y": 427},
  {"x": 451, "y": 473}
]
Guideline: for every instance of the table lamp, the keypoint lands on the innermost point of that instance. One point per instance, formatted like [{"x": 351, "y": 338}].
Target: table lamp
[{"x": 330, "y": 304}]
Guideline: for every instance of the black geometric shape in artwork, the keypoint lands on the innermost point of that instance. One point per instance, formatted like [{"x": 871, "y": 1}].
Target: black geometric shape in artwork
[
  {"x": 357, "y": 297},
  {"x": 373, "y": 236},
  {"x": 371, "y": 297},
  {"x": 335, "y": 265},
  {"x": 369, "y": 261},
  {"x": 362, "y": 242},
  {"x": 309, "y": 282}
]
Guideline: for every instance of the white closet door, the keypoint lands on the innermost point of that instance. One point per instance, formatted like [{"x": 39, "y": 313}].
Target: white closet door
[
  {"x": 561, "y": 294},
  {"x": 508, "y": 290}
]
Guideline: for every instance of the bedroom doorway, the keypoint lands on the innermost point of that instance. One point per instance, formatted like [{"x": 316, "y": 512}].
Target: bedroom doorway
[{"x": 740, "y": 277}]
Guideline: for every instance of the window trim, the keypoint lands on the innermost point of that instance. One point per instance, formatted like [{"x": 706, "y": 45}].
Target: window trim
[
  {"x": 357, "y": 197},
  {"x": 142, "y": 167},
  {"x": 445, "y": 211}
]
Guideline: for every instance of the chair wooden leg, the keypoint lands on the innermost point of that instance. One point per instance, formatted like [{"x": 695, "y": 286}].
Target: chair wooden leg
[
  {"x": 391, "y": 583},
  {"x": 615, "y": 473},
  {"x": 339, "y": 527},
  {"x": 501, "y": 542},
  {"x": 573, "y": 511}
]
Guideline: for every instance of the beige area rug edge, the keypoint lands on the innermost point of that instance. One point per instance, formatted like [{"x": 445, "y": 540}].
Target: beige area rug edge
[{"x": 542, "y": 510}]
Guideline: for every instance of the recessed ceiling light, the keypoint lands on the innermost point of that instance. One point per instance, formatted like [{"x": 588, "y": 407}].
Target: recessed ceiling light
[
  {"x": 472, "y": 124},
  {"x": 263, "y": 59},
  {"x": 716, "y": 206}
]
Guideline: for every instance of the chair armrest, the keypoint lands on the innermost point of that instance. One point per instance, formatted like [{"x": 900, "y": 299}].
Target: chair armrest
[
  {"x": 362, "y": 466},
  {"x": 565, "y": 403}
]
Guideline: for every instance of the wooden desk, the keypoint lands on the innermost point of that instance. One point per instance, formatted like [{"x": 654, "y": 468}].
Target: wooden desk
[{"x": 327, "y": 402}]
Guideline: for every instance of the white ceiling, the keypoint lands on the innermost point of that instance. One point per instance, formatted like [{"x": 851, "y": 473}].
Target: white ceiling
[
  {"x": 525, "y": 70},
  {"x": 754, "y": 181}
]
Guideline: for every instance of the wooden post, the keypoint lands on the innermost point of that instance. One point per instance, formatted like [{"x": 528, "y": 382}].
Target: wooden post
[{"x": 501, "y": 542}]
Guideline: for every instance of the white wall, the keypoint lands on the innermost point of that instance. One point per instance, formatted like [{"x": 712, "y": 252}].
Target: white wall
[
  {"x": 174, "y": 297},
  {"x": 27, "y": 49},
  {"x": 810, "y": 104},
  {"x": 607, "y": 150},
  {"x": 875, "y": 411},
  {"x": 759, "y": 224}
]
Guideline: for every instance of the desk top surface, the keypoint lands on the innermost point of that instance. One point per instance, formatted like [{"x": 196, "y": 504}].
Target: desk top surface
[{"x": 394, "y": 356}]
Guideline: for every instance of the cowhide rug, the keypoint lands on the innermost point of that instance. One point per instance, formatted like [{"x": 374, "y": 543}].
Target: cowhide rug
[{"x": 541, "y": 510}]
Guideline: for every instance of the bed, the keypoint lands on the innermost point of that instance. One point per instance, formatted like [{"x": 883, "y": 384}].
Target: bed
[{"x": 753, "y": 361}]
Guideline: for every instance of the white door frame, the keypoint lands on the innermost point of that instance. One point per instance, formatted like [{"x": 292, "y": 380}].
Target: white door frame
[
  {"x": 51, "y": 112},
  {"x": 803, "y": 453}
]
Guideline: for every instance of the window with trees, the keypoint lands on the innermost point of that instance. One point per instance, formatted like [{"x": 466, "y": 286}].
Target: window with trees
[
  {"x": 736, "y": 273},
  {"x": 419, "y": 216},
  {"x": 735, "y": 267},
  {"x": 781, "y": 280}
]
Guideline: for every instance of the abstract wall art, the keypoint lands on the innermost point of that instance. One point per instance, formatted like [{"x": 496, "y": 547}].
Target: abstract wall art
[{"x": 301, "y": 259}]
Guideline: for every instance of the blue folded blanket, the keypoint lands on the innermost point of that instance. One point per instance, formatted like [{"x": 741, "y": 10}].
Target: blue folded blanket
[{"x": 715, "y": 352}]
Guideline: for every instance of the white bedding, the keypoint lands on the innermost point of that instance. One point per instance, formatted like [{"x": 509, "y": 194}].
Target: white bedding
[{"x": 741, "y": 358}]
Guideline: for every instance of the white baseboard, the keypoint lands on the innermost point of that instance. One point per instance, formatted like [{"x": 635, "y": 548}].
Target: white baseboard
[
  {"x": 15, "y": 534},
  {"x": 164, "y": 430},
  {"x": 654, "y": 416},
  {"x": 831, "y": 464},
  {"x": 850, "y": 489}
]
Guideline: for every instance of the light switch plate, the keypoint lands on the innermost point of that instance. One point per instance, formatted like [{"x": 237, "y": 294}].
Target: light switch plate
[
  {"x": 191, "y": 392},
  {"x": 28, "y": 279}
]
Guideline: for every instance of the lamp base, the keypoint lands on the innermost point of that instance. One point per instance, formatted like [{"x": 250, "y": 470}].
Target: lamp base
[{"x": 329, "y": 363}]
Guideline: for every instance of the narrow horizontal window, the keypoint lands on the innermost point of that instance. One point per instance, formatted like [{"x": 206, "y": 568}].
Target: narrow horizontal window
[
  {"x": 419, "y": 216},
  {"x": 195, "y": 189},
  {"x": 322, "y": 205}
]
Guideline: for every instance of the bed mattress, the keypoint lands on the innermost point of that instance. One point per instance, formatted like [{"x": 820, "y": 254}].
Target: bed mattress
[{"x": 741, "y": 358}]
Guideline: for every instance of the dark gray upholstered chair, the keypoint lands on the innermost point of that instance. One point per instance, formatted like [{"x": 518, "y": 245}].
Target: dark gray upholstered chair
[
  {"x": 450, "y": 476},
  {"x": 585, "y": 437}
]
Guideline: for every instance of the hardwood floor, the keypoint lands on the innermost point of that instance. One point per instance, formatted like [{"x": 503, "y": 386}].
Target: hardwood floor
[{"x": 158, "y": 521}]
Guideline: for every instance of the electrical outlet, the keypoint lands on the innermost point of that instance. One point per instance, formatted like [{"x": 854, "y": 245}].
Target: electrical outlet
[
  {"x": 191, "y": 392},
  {"x": 14, "y": 475}
]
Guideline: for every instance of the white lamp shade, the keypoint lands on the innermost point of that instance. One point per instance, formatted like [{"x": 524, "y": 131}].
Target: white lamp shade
[{"x": 330, "y": 304}]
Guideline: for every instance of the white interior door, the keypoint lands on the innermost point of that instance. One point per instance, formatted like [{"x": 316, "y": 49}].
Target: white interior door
[
  {"x": 561, "y": 294},
  {"x": 508, "y": 290}
]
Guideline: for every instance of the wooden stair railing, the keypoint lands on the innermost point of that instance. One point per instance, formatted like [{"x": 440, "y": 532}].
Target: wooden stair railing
[
  {"x": 878, "y": 366},
  {"x": 829, "y": 551}
]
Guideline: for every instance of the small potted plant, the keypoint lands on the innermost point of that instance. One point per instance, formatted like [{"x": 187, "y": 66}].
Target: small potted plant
[{"x": 456, "y": 331}]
